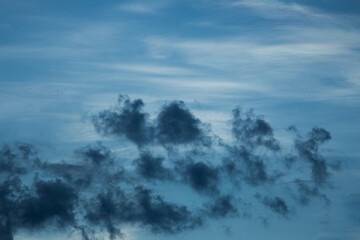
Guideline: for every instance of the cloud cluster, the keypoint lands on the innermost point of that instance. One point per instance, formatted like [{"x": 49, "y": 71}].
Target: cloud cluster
[
  {"x": 114, "y": 206},
  {"x": 151, "y": 168},
  {"x": 127, "y": 119},
  {"x": 276, "y": 204},
  {"x": 253, "y": 131},
  {"x": 309, "y": 150},
  {"x": 174, "y": 125},
  {"x": 201, "y": 176},
  {"x": 95, "y": 191},
  {"x": 46, "y": 203}
]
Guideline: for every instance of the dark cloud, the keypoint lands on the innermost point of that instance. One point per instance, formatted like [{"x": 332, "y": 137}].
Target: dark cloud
[
  {"x": 162, "y": 216},
  {"x": 252, "y": 130},
  {"x": 7, "y": 207},
  {"x": 319, "y": 135},
  {"x": 116, "y": 207},
  {"x": 7, "y": 161},
  {"x": 18, "y": 158},
  {"x": 127, "y": 119},
  {"x": 201, "y": 176},
  {"x": 289, "y": 160},
  {"x": 95, "y": 163},
  {"x": 109, "y": 208},
  {"x": 92, "y": 191},
  {"x": 79, "y": 176},
  {"x": 174, "y": 125},
  {"x": 309, "y": 150},
  {"x": 276, "y": 204},
  {"x": 53, "y": 201},
  {"x": 177, "y": 125},
  {"x": 222, "y": 206},
  {"x": 96, "y": 154},
  {"x": 5, "y": 230},
  {"x": 307, "y": 192},
  {"x": 244, "y": 165},
  {"x": 150, "y": 167},
  {"x": 49, "y": 203}
]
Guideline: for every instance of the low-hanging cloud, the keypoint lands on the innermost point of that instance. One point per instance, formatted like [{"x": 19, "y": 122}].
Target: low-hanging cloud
[
  {"x": 127, "y": 119},
  {"x": 94, "y": 191},
  {"x": 309, "y": 150},
  {"x": 174, "y": 125},
  {"x": 222, "y": 206},
  {"x": 253, "y": 131},
  {"x": 151, "y": 167},
  {"x": 177, "y": 125},
  {"x": 276, "y": 204},
  {"x": 201, "y": 176},
  {"x": 114, "y": 206}
]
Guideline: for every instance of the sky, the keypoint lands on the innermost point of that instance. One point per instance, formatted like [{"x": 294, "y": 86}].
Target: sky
[{"x": 180, "y": 119}]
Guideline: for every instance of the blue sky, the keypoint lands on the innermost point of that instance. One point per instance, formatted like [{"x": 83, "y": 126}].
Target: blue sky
[{"x": 294, "y": 62}]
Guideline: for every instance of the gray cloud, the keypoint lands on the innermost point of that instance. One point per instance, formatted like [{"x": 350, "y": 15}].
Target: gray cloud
[
  {"x": 48, "y": 203},
  {"x": 54, "y": 200},
  {"x": 96, "y": 154},
  {"x": 114, "y": 207},
  {"x": 309, "y": 150},
  {"x": 241, "y": 164},
  {"x": 127, "y": 119},
  {"x": 18, "y": 159},
  {"x": 276, "y": 204},
  {"x": 70, "y": 194},
  {"x": 222, "y": 206},
  {"x": 306, "y": 192},
  {"x": 150, "y": 167},
  {"x": 177, "y": 125},
  {"x": 174, "y": 125},
  {"x": 202, "y": 177},
  {"x": 252, "y": 130}
]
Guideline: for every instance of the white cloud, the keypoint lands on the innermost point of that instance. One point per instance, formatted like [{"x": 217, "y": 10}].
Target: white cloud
[
  {"x": 136, "y": 8},
  {"x": 276, "y": 9},
  {"x": 151, "y": 69},
  {"x": 142, "y": 7},
  {"x": 281, "y": 66}
]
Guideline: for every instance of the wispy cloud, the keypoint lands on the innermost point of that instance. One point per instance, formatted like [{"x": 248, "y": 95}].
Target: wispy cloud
[
  {"x": 276, "y": 60},
  {"x": 151, "y": 69},
  {"x": 277, "y": 9},
  {"x": 136, "y": 8},
  {"x": 142, "y": 7}
]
